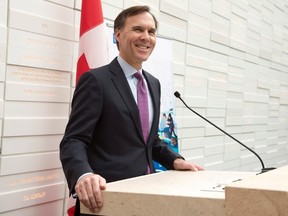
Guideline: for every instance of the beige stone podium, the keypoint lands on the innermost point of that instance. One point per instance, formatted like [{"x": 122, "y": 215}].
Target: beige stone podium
[
  {"x": 180, "y": 193},
  {"x": 185, "y": 193},
  {"x": 263, "y": 195}
]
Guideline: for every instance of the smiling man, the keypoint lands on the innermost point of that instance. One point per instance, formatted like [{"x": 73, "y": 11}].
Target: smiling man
[
  {"x": 136, "y": 37},
  {"x": 107, "y": 138}
]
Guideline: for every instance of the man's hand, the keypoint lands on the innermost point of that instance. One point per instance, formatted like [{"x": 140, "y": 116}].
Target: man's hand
[
  {"x": 88, "y": 190},
  {"x": 180, "y": 164}
]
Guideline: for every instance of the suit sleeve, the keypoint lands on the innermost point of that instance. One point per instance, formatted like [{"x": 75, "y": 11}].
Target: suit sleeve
[
  {"x": 79, "y": 130},
  {"x": 163, "y": 154}
]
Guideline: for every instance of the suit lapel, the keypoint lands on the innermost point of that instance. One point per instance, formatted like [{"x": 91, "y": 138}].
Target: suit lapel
[
  {"x": 123, "y": 87},
  {"x": 155, "y": 96}
]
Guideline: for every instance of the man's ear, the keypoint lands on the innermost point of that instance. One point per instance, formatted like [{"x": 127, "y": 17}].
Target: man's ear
[{"x": 117, "y": 34}]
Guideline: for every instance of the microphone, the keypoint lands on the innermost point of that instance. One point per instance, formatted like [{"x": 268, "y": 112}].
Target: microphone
[{"x": 264, "y": 169}]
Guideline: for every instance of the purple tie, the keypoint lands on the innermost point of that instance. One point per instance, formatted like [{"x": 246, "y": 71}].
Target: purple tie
[{"x": 142, "y": 99}]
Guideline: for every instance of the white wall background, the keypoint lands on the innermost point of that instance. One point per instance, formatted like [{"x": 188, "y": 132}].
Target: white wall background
[{"x": 230, "y": 63}]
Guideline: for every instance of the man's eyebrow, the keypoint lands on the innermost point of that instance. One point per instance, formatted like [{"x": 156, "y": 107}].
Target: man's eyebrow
[
  {"x": 142, "y": 27},
  {"x": 137, "y": 27}
]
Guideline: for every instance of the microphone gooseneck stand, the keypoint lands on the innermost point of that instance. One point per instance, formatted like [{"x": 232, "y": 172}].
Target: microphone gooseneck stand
[{"x": 264, "y": 169}]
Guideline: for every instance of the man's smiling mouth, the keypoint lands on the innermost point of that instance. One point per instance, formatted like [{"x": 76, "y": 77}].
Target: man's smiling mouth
[{"x": 142, "y": 47}]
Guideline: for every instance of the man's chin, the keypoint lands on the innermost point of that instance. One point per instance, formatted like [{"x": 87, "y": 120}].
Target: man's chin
[{"x": 144, "y": 57}]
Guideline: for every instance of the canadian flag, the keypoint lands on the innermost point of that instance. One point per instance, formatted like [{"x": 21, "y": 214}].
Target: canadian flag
[{"x": 93, "y": 51}]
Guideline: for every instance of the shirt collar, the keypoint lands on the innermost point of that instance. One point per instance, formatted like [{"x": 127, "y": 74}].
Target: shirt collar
[{"x": 127, "y": 68}]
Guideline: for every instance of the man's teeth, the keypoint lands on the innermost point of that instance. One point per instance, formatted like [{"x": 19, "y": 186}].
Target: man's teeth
[{"x": 143, "y": 47}]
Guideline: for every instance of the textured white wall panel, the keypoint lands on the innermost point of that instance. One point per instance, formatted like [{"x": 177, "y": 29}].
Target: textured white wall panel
[
  {"x": 196, "y": 101},
  {"x": 192, "y": 121},
  {"x": 192, "y": 132},
  {"x": 3, "y": 12},
  {"x": 179, "y": 49},
  {"x": 202, "y": 8},
  {"x": 239, "y": 8},
  {"x": 222, "y": 8},
  {"x": 175, "y": 8},
  {"x": 29, "y": 180},
  {"x": 197, "y": 57},
  {"x": 37, "y": 126},
  {"x": 212, "y": 112},
  {"x": 196, "y": 86},
  {"x": 3, "y": 42},
  {"x": 30, "y": 49},
  {"x": 30, "y": 144},
  {"x": 120, "y": 3},
  {"x": 172, "y": 27},
  {"x": 193, "y": 143},
  {"x": 32, "y": 196},
  {"x": 2, "y": 90},
  {"x": 77, "y": 4},
  {"x": 154, "y": 4},
  {"x": 198, "y": 35},
  {"x": 67, "y": 3},
  {"x": 212, "y": 131},
  {"x": 216, "y": 99},
  {"x": 230, "y": 64},
  {"x": 218, "y": 47},
  {"x": 27, "y": 92},
  {"x": 1, "y": 127},
  {"x": 45, "y": 9},
  {"x": 38, "y": 76},
  {"x": 220, "y": 38},
  {"x": 41, "y": 25},
  {"x": 195, "y": 154},
  {"x": 51, "y": 208},
  {"x": 220, "y": 25},
  {"x": 178, "y": 68},
  {"x": 27, "y": 109},
  {"x": 29, "y": 163},
  {"x": 1, "y": 108}
]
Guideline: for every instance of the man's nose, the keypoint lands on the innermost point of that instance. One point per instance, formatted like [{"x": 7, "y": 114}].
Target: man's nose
[{"x": 145, "y": 35}]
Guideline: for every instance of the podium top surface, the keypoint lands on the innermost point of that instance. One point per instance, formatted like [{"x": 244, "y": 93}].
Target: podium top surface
[
  {"x": 167, "y": 193},
  {"x": 179, "y": 183},
  {"x": 275, "y": 180}
]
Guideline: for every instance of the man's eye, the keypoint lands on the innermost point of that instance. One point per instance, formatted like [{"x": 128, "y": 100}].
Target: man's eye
[
  {"x": 152, "y": 33},
  {"x": 137, "y": 30}
]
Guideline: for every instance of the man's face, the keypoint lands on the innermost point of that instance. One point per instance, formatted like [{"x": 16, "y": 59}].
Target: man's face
[{"x": 137, "y": 39}]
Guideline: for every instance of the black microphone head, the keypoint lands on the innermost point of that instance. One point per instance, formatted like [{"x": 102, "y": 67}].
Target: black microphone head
[{"x": 177, "y": 94}]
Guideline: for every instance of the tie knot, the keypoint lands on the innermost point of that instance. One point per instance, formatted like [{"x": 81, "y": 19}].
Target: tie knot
[{"x": 138, "y": 75}]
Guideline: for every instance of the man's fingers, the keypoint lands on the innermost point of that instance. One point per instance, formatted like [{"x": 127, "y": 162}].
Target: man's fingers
[
  {"x": 200, "y": 168},
  {"x": 84, "y": 192},
  {"x": 96, "y": 200},
  {"x": 102, "y": 183},
  {"x": 89, "y": 191},
  {"x": 194, "y": 168}
]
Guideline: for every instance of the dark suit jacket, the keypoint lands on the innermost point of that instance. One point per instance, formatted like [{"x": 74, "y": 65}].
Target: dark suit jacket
[{"x": 104, "y": 135}]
